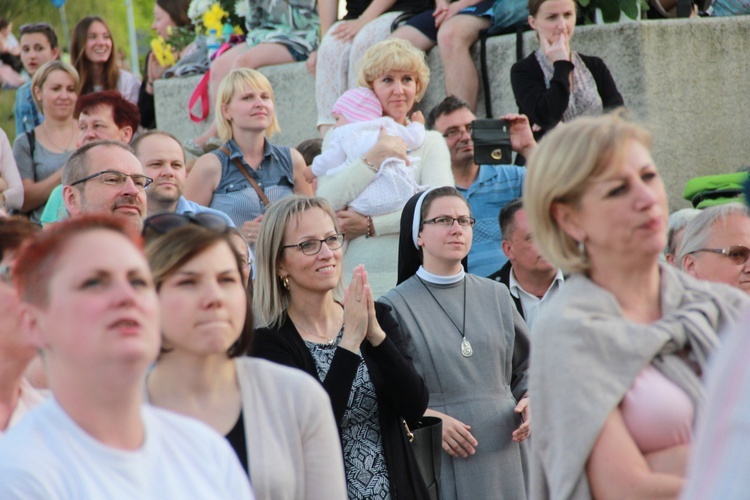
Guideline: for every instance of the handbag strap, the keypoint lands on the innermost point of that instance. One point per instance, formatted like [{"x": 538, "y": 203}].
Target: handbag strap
[
  {"x": 238, "y": 163},
  {"x": 200, "y": 94}
]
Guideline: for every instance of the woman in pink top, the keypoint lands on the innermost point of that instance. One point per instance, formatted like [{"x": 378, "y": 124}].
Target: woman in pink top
[{"x": 617, "y": 355}]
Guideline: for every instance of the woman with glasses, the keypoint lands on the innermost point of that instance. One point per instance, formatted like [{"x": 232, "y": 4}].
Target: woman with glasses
[
  {"x": 618, "y": 354},
  {"x": 278, "y": 420},
  {"x": 469, "y": 343},
  {"x": 41, "y": 153},
  {"x": 354, "y": 349}
]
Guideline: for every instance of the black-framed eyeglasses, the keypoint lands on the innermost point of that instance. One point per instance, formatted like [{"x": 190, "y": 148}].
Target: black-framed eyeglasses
[
  {"x": 115, "y": 178},
  {"x": 166, "y": 222},
  {"x": 312, "y": 247},
  {"x": 738, "y": 254},
  {"x": 5, "y": 274},
  {"x": 455, "y": 132},
  {"x": 445, "y": 221}
]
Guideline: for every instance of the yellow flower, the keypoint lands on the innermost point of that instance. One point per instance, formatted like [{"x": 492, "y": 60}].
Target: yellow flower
[
  {"x": 212, "y": 18},
  {"x": 163, "y": 52},
  {"x": 237, "y": 31}
]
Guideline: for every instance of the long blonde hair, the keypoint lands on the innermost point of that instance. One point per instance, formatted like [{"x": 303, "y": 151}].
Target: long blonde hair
[{"x": 271, "y": 298}]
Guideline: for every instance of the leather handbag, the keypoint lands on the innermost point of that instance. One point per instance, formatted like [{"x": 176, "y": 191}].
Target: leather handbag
[
  {"x": 491, "y": 142},
  {"x": 426, "y": 441}
]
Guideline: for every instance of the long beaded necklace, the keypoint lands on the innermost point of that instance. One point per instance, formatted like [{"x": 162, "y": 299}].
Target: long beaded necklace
[{"x": 466, "y": 349}]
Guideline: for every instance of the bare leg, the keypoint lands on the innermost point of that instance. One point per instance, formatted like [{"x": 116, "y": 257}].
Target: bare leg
[
  {"x": 414, "y": 36},
  {"x": 263, "y": 54},
  {"x": 455, "y": 38}
]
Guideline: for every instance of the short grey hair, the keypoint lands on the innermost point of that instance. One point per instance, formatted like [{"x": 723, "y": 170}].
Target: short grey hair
[
  {"x": 677, "y": 222},
  {"x": 699, "y": 228},
  {"x": 77, "y": 167}
]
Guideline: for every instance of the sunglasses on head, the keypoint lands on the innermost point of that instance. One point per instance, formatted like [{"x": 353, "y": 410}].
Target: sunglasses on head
[{"x": 164, "y": 223}]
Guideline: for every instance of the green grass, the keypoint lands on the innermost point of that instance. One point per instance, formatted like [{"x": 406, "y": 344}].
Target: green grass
[{"x": 7, "y": 120}]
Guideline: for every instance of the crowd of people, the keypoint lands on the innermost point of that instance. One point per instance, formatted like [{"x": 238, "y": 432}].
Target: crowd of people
[{"x": 273, "y": 322}]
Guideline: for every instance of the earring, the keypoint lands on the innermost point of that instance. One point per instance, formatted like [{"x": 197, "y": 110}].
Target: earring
[
  {"x": 285, "y": 281},
  {"x": 582, "y": 248}
]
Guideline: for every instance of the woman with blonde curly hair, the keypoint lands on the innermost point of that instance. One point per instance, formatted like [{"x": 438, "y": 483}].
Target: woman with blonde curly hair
[
  {"x": 248, "y": 173},
  {"x": 397, "y": 73}
]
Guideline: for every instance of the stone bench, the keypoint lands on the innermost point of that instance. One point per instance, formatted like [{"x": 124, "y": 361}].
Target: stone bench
[{"x": 686, "y": 80}]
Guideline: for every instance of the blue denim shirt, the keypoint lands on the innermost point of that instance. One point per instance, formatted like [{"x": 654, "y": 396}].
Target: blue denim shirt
[
  {"x": 27, "y": 116},
  {"x": 236, "y": 197}
]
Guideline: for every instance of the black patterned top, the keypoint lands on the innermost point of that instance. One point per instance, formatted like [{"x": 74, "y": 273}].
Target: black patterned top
[{"x": 364, "y": 460}]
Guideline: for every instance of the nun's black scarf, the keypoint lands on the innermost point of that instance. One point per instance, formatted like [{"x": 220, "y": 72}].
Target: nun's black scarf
[{"x": 409, "y": 255}]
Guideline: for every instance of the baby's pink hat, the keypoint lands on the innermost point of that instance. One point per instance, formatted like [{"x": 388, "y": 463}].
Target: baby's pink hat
[{"x": 359, "y": 105}]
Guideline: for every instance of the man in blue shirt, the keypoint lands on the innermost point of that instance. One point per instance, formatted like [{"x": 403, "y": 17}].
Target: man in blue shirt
[
  {"x": 487, "y": 188},
  {"x": 163, "y": 160}
]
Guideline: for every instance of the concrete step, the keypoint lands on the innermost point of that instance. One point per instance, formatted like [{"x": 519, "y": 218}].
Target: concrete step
[{"x": 686, "y": 80}]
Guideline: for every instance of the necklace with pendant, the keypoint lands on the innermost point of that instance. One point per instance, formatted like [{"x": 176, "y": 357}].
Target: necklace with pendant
[{"x": 466, "y": 349}]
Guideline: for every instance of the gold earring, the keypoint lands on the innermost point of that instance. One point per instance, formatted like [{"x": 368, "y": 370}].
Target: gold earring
[{"x": 285, "y": 281}]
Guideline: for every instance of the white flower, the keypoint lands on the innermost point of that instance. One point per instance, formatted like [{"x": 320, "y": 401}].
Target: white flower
[
  {"x": 242, "y": 8},
  {"x": 198, "y": 8}
]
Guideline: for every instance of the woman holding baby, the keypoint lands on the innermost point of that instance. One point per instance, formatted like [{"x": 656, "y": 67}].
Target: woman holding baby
[{"x": 396, "y": 72}]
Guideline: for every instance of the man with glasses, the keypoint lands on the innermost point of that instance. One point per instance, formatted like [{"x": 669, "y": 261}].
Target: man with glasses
[
  {"x": 105, "y": 177},
  {"x": 487, "y": 188},
  {"x": 104, "y": 115},
  {"x": 716, "y": 246}
]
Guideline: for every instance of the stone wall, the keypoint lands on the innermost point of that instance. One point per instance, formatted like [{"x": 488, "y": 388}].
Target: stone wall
[{"x": 686, "y": 80}]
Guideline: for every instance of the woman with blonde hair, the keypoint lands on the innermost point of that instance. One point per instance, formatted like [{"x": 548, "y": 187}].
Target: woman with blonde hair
[
  {"x": 618, "y": 353},
  {"x": 41, "y": 153},
  {"x": 248, "y": 173},
  {"x": 397, "y": 73},
  {"x": 355, "y": 349},
  {"x": 93, "y": 53},
  {"x": 278, "y": 420}
]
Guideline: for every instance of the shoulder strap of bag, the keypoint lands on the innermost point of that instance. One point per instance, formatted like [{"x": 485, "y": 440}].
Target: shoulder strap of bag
[
  {"x": 238, "y": 163},
  {"x": 31, "y": 137}
]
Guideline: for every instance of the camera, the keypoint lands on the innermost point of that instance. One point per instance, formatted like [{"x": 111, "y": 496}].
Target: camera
[{"x": 491, "y": 142}]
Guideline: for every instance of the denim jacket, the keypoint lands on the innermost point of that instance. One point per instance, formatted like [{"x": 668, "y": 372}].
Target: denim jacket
[{"x": 27, "y": 116}]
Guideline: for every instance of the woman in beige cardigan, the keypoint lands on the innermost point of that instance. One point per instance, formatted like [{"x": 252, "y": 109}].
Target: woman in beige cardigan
[{"x": 277, "y": 419}]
